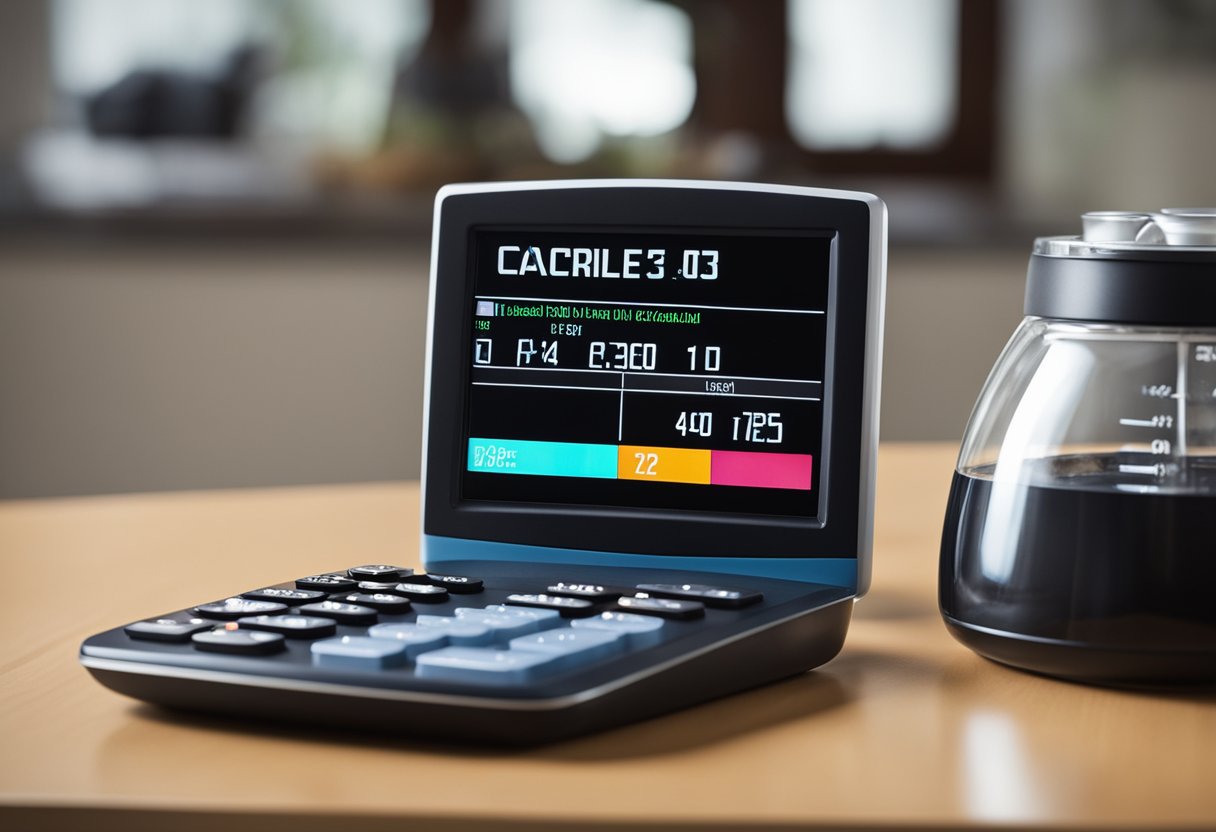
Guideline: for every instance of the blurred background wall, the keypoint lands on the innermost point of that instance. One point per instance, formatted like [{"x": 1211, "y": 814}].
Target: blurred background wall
[{"x": 214, "y": 216}]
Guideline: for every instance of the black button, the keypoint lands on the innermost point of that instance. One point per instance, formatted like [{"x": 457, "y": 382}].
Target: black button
[
  {"x": 662, "y": 607},
  {"x": 292, "y": 626},
  {"x": 569, "y": 607},
  {"x": 456, "y": 583},
  {"x": 167, "y": 629},
  {"x": 379, "y": 572},
  {"x": 285, "y": 596},
  {"x": 234, "y": 608},
  {"x": 243, "y": 642},
  {"x": 327, "y": 583},
  {"x": 426, "y": 593},
  {"x": 592, "y": 592},
  {"x": 381, "y": 601},
  {"x": 377, "y": 586},
  {"x": 711, "y": 596},
  {"x": 338, "y": 611}
]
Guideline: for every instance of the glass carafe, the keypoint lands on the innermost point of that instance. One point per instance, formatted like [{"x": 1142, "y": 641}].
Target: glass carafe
[{"x": 1080, "y": 535}]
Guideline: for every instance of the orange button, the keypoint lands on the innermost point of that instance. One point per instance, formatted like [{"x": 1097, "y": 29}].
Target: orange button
[{"x": 637, "y": 462}]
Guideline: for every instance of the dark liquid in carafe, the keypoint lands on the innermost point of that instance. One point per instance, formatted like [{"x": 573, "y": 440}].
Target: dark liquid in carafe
[{"x": 1076, "y": 550}]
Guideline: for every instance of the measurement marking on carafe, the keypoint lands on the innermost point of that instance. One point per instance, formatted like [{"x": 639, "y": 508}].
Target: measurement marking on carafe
[
  {"x": 1183, "y": 383},
  {"x": 1161, "y": 420},
  {"x": 1151, "y": 470},
  {"x": 1159, "y": 391}
]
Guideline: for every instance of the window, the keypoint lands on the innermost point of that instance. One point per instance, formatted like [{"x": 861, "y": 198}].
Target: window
[
  {"x": 586, "y": 70},
  {"x": 890, "y": 87},
  {"x": 872, "y": 73}
]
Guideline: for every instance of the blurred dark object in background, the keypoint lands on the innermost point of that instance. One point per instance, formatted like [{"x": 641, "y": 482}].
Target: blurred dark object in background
[
  {"x": 163, "y": 103},
  {"x": 449, "y": 117},
  {"x": 452, "y": 71}
]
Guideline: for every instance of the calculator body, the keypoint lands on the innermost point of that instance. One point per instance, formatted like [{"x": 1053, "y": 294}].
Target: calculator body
[
  {"x": 796, "y": 627},
  {"x": 648, "y": 476}
]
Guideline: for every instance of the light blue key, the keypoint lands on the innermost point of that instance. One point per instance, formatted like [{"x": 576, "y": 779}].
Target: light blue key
[
  {"x": 358, "y": 653},
  {"x": 504, "y": 626},
  {"x": 573, "y": 647},
  {"x": 460, "y": 633},
  {"x": 548, "y": 618},
  {"x": 416, "y": 638},
  {"x": 485, "y": 665},
  {"x": 544, "y": 618},
  {"x": 640, "y": 630}
]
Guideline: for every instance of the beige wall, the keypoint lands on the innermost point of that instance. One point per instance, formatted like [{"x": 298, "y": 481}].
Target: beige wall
[
  {"x": 130, "y": 367},
  {"x": 949, "y": 313},
  {"x": 25, "y": 73},
  {"x": 159, "y": 367}
]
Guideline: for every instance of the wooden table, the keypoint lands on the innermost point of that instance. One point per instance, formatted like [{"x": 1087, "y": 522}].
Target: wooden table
[{"x": 906, "y": 729}]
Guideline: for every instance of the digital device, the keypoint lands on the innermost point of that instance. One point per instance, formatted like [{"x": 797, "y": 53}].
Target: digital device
[{"x": 651, "y": 424}]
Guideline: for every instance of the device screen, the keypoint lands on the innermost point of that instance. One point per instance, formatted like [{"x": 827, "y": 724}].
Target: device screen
[{"x": 642, "y": 369}]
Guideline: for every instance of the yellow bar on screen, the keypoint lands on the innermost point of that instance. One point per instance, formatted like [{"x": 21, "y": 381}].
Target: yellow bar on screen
[{"x": 638, "y": 462}]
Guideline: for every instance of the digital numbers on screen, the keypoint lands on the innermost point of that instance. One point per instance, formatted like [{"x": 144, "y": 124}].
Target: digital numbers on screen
[
  {"x": 758, "y": 427},
  {"x": 528, "y": 349},
  {"x": 698, "y": 423},
  {"x": 622, "y": 355},
  {"x": 710, "y": 359}
]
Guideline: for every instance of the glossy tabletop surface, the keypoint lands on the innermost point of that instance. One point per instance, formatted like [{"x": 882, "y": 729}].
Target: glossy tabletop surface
[{"x": 905, "y": 729}]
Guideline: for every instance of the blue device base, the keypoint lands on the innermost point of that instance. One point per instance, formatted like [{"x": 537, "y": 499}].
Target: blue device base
[{"x": 840, "y": 572}]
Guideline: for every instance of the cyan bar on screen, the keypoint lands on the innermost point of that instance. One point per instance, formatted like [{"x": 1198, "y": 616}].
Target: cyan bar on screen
[{"x": 544, "y": 459}]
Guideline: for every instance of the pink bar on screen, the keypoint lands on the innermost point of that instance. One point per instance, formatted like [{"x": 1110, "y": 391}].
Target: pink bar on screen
[{"x": 758, "y": 470}]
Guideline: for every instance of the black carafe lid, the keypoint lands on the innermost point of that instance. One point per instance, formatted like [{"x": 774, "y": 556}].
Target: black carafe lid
[{"x": 1129, "y": 268}]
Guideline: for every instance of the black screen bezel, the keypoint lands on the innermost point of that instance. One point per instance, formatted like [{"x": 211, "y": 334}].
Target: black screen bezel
[{"x": 834, "y": 532}]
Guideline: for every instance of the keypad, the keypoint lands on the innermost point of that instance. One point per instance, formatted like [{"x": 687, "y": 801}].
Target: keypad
[{"x": 379, "y": 618}]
